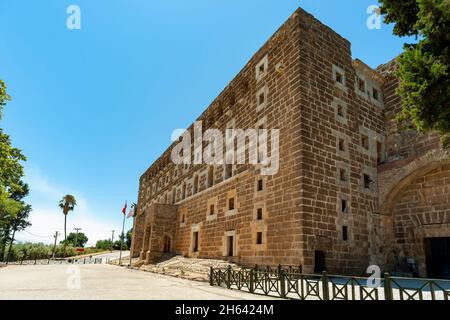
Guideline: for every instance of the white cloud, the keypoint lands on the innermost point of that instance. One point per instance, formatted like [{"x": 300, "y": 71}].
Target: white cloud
[{"x": 46, "y": 217}]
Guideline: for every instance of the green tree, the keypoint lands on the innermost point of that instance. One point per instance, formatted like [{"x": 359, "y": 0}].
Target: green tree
[
  {"x": 4, "y": 97},
  {"x": 104, "y": 244},
  {"x": 19, "y": 222},
  {"x": 129, "y": 236},
  {"x": 67, "y": 204},
  {"x": 424, "y": 66},
  {"x": 13, "y": 211},
  {"x": 76, "y": 240}
]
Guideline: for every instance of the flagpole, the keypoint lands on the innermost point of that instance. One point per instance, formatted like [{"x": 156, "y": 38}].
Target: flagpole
[
  {"x": 121, "y": 241},
  {"x": 131, "y": 244}
]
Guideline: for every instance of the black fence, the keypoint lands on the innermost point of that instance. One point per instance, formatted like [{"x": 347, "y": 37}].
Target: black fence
[
  {"x": 58, "y": 261},
  {"x": 291, "y": 283}
]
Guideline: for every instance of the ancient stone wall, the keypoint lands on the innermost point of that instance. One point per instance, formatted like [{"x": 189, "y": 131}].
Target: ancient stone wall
[
  {"x": 335, "y": 115},
  {"x": 421, "y": 211},
  {"x": 348, "y": 180}
]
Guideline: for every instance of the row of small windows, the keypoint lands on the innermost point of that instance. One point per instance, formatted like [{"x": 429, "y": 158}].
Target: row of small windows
[
  {"x": 342, "y": 146},
  {"x": 339, "y": 78},
  {"x": 362, "y": 89},
  {"x": 230, "y": 242},
  {"x": 366, "y": 178},
  {"x": 261, "y": 100},
  {"x": 228, "y": 169}
]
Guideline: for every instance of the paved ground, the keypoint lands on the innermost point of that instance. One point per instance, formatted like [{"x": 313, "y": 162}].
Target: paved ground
[
  {"x": 103, "y": 282},
  {"x": 114, "y": 255}
]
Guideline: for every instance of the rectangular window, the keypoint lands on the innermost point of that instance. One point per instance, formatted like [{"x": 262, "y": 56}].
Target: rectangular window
[
  {"x": 341, "y": 144},
  {"x": 261, "y": 98},
  {"x": 365, "y": 141},
  {"x": 230, "y": 246},
  {"x": 339, "y": 78},
  {"x": 261, "y": 68},
  {"x": 367, "y": 181},
  {"x": 343, "y": 175},
  {"x": 211, "y": 210},
  {"x": 345, "y": 233},
  {"x": 361, "y": 85},
  {"x": 340, "y": 111},
  {"x": 259, "y": 238},
  {"x": 375, "y": 94},
  {"x": 259, "y": 214},
  {"x": 228, "y": 171},
  {"x": 260, "y": 185},
  {"x": 183, "y": 218},
  {"x": 344, "y": 208},
  {"x": 195, "y": 241},
  {"x": 231, "y": 204}
]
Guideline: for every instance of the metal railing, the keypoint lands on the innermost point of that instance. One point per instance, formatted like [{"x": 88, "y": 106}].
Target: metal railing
[
  {"x": 291, "y": 283},
  {"x": 57, "y": 261}
]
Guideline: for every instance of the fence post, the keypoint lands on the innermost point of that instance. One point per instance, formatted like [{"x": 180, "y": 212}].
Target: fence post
[
  {"x": 282, "y": 278},
  {"x": 229, "y": 277},
  {"x": 252, "y": 281},
  {"x": 326, "y": 293},
  {"x": 387, "y": 287},
  {"x": 211, "y": 279},
  {"x": 433, "y": 296}
]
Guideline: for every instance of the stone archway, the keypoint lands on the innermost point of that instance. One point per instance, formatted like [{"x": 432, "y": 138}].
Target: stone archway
[{"x": 416, "y": 209}]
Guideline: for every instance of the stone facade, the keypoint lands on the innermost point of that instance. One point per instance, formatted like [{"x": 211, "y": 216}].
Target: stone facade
[{"x": 344, "y": 183}]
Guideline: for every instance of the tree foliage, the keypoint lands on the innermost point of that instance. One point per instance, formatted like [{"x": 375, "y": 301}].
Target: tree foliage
[
  {"x": 424, "y": 67},
  {"x": 104, "y": 244},
  {"x": 129, "y": 236},
  {"x": 14, "y": 212},
  {"x": 76, "y": 240},
  {"x": 67, "y": 204}
]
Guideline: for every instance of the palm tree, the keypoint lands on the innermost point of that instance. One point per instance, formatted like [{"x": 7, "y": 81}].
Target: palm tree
[{"x": 67, "y": 204}]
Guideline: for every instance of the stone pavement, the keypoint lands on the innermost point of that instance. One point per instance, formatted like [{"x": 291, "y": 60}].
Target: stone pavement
[{"x": 91, "y": 282}]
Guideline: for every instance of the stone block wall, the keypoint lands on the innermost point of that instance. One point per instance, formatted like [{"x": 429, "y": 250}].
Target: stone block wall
[{"x": 349, "y": 179}]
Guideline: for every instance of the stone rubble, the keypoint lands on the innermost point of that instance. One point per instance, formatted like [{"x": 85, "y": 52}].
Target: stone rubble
[{"x": 180, "y": 267}]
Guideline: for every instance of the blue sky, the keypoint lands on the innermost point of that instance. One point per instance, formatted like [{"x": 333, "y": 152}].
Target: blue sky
[{"x": 93, "y": 108}]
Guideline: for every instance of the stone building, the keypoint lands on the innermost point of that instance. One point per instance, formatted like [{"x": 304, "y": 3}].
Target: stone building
[{"x": 351, "y": 188}]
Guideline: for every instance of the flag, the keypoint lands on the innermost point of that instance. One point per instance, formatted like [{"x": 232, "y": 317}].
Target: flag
[
  {"x": 124, "y": 210},
  {"x": 131, "y": 213}
]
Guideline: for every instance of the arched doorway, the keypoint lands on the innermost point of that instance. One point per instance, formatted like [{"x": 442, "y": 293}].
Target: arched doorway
[
  {"x": 167, "y": 244},
  {"x": 418, "y": 232}
]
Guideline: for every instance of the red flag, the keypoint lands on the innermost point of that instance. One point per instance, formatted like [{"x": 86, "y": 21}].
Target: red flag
[{"x": 124, "y": 208}]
